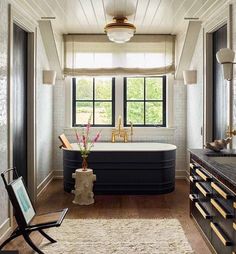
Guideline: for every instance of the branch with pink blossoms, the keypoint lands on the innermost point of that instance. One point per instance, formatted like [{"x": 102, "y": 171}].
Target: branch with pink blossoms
[{"x": 85, "y": 143}]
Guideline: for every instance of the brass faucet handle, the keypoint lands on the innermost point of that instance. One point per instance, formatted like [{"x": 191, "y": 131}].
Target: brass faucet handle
[
  {"x": 231, "y": 133},
  {"x": 125, "y": 137},
  {"x": 113, "y": 136}
]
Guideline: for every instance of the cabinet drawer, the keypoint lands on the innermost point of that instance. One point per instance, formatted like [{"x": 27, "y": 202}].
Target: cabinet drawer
[
  {"x": 221, "y": 190},
  {"x": 203, "y": 175},
  {"x": 205, "y": 191},
  {"x": 205, "y": 214},
  {"x": 220, "y": 234},
  {"x": 200, "y": 218},
  {"x": 222, "y": 210}
]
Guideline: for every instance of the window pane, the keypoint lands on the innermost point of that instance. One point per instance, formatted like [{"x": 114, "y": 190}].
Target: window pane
[
  {"x": 154, "y": 88},
  {"x": 84, "y": 89},
  {"x": 135, "y": 88},
  {"x": 83, "y": 111},
  {"x": 103, "y": 88},
  {"x": 103, "y": 113},
  {"x": 154, "y": 113},
  {"x": 135, "y": 112}
]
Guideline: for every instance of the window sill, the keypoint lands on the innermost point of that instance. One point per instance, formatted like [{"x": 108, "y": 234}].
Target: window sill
[{"x": 138, "y": 131}]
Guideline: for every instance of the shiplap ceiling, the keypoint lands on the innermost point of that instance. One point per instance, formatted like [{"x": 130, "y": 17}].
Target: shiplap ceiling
[{"x": 90, "y": 16}]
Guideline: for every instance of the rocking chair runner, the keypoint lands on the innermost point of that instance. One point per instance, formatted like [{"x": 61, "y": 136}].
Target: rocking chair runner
[{"x": 26, "y": 217}]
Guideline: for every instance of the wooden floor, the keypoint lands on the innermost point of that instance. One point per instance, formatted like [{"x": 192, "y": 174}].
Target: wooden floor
[{"x": 173, "y": 205}]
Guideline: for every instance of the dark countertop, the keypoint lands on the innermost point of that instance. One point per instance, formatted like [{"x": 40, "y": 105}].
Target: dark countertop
[{"x": 225, "y": 170}]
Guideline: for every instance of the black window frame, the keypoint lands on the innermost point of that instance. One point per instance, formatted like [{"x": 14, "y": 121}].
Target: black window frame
[
  {"x": 93, "y": 100},
  {"x": 144, "y": 100}
]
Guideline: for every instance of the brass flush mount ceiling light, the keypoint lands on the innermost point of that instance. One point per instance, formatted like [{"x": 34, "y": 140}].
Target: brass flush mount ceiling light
[{"x": 120, "y": 31}]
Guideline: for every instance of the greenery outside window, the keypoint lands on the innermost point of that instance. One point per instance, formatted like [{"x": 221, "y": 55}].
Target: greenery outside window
[
  {"x": 145, "y": 101},
  {"x": 93, "y": 97}
]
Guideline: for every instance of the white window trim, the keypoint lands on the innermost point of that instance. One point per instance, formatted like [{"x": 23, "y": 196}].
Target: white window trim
[{"x": 119, "y": 102}]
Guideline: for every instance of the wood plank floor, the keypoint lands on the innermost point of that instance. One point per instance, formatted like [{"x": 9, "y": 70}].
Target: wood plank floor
[{"x": 173, "y": 205}]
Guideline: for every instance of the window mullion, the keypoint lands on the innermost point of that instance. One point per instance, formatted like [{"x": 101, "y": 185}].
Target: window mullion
[
  {"x": 93, "y": 101},
  {"x": 144, "y": 103}
]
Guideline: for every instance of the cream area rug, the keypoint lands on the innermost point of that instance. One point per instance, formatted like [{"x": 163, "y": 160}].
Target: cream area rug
[{"x": 118, "y": 236}]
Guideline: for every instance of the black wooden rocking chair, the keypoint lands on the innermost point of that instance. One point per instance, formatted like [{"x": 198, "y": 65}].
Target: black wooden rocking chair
[{"x": 25, "y": 214}]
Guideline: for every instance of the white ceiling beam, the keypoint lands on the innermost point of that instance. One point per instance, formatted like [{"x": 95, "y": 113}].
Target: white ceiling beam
[
  {"x": 190, "y": 42},
  {"x": 50, "y": 47}
]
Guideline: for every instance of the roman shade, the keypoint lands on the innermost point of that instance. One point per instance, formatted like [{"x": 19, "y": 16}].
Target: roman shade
[{"x": 94, "y": 55}]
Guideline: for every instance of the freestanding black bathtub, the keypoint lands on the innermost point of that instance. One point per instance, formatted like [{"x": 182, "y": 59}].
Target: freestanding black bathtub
[{"x": 125, "y": 168}]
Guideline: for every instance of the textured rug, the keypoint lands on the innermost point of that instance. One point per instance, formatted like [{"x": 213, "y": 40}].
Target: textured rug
[{"x": 118, "y": 236}]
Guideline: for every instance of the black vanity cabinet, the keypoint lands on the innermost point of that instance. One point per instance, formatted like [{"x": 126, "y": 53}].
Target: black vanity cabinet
[{"x": 213, "y": 204}]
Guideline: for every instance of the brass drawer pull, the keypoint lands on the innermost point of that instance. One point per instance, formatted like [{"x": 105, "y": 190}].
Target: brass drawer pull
[
  {"x": 202, "y": 175},
  {"x": 234, "y": 205},
  {"x": 192, "y": 166},
  {"x": 220, "y": 234},
  {"x": 220, "y": 209},
  {"x": 220, "y": 191},
  {"x": 234, "y": 225},
  {"x": 193, "y": 197},
  {"x": 202, "y": 211},
  {"x": 193, "y": 179},
  {"x": 203, "y": 190}
]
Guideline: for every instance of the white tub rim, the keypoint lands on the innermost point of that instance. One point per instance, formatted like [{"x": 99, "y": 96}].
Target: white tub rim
[{"x": 128, "y": 147}]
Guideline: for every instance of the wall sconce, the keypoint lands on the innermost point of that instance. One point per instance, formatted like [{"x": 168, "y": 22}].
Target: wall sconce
[
  {"x": 49, "y": 77},
  {"x": 225, "y": 57},
  {"x": 190, "y": 77}
]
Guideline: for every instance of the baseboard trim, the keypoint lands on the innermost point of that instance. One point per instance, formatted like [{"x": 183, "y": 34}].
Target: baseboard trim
[
  {"x": 180, "y": 174},
  {"x": 45, "y": 183},
  {"x": 58, "y": 174},
  {"x": 5, "y": 230}
]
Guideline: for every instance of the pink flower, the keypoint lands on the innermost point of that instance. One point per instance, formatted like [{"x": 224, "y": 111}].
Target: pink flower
[
  {"x": 84, "y": 141},
  {"x": 77, "y": 136},
  {"x": 97, "y": 137}
]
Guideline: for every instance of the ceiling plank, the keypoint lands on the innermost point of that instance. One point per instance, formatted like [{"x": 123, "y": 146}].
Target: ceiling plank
[
  {"x": 140, "y": 14},
  {"x": 178, "y": 22},
  {"x": 100, "y": 14},
  {"x": 74, "y": 12},
  {"x": 161, "y": 22},
  {"x": 90, "y": 16}
]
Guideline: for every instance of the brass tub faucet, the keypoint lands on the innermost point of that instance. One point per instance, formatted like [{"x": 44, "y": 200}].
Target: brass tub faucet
[{"x": 120, "y": 132}]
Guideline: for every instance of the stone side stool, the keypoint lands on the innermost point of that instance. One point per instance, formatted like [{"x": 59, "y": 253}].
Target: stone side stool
[{"x": 83, "y": 186}]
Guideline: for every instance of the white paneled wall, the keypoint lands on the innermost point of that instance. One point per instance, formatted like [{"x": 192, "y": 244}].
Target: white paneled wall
[
  {"x": 58, "y": 122},
  {"x": 195, "y": 99},
  {"x": 3, "y": 107},
  {"x": 180, "y": 124},
  {"x": 44, "y": 117},
  {"x": 234, "y": 72}
]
